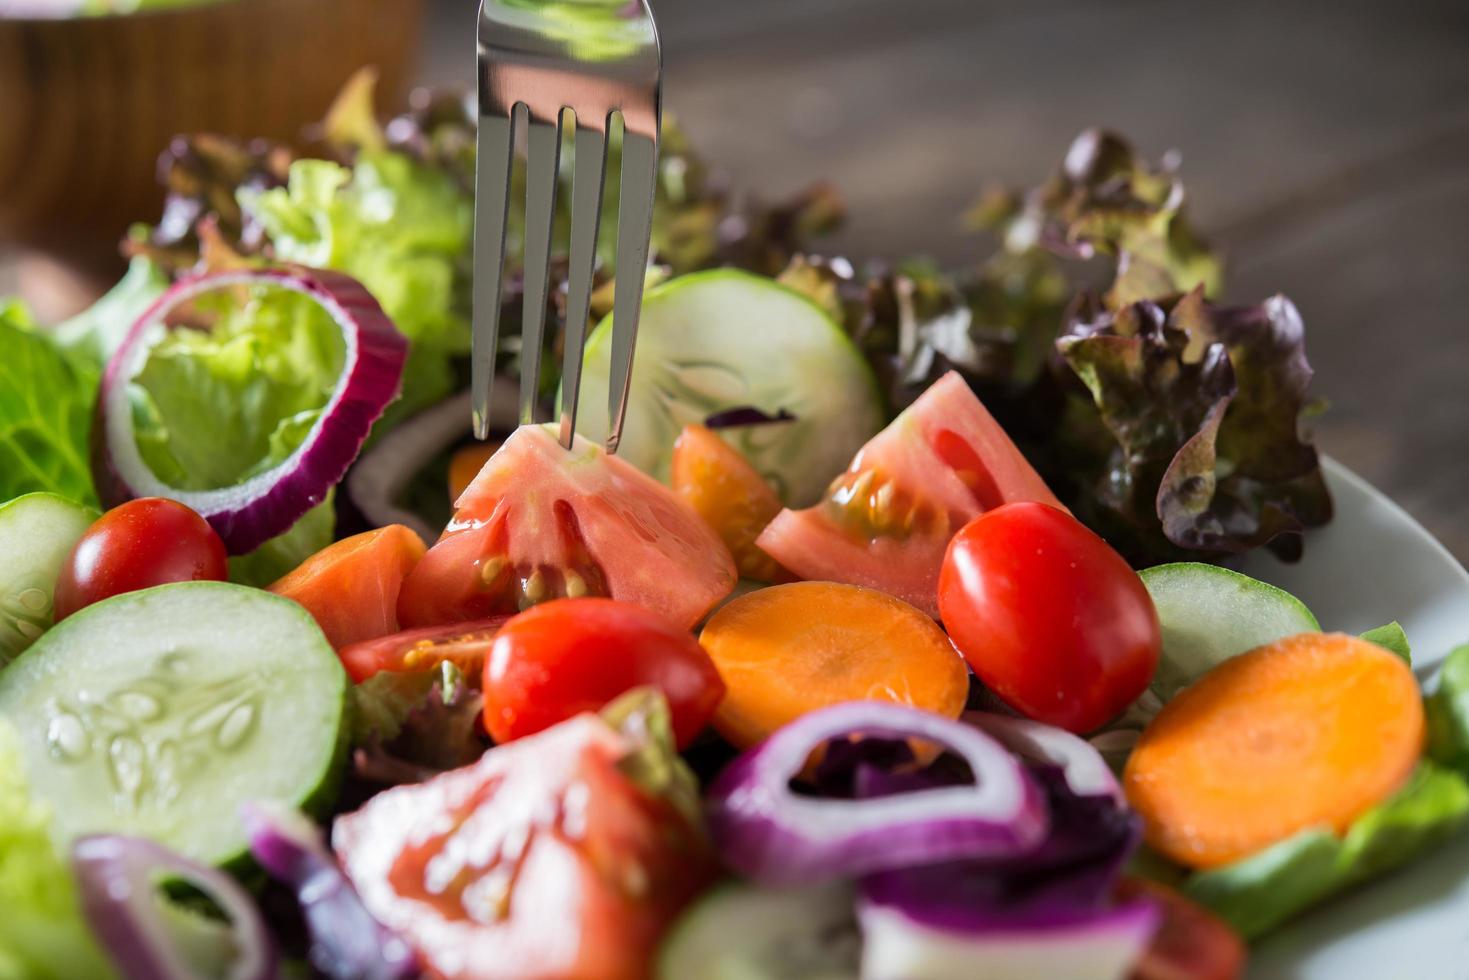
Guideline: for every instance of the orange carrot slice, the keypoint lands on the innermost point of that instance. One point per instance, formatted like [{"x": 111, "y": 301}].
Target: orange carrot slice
[
  {"x": 791, "y": 649},
  {"x": 465, "y": 465},
  {"x": 1308, "y": 731},
  {"x": 732, "y": 497},
  {"x": 351, "y": 587}
]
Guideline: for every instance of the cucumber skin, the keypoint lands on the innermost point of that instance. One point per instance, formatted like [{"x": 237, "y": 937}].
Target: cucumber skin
[{"x": 319, "y": 802}]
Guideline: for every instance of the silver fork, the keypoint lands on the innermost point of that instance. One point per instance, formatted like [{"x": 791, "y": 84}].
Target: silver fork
[{"x": 541, "y": 57}]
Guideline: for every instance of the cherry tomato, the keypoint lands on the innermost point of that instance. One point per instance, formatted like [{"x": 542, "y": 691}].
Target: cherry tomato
[
  {"x": 559, "y": 659},
  {"x": 1049, "y": 617},
  {"x": 142, "y": 543},
  {"x": 466, "y": 645},
  {"x": 1192, "y": 943}
]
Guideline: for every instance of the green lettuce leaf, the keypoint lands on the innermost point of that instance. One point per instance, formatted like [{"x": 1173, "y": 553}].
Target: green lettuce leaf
[
  {"x": 1261, "y": 892},
  {"x": 216, "y": 406},
  {"x": 43, "y": 935},
  {"x": 313, "y": 532},
  {"x": 409, "y": 725},
  {"x": 46, "y": 400},
  {"x": 653, "y": 763},
  {"x": 98, "y": 331},
  {"x": 1448, "y": 712},
  {"x": 399, "y": 227},
  {"x": 1391, "y": 637},
  {"x": 1197, "y": 447}
]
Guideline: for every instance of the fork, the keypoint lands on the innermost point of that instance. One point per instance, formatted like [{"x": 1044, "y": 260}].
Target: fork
[{"x": 538, "y": 59}]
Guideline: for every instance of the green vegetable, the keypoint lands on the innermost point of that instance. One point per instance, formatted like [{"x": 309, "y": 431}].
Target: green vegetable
[
  {"x": 272, "y": 560},
  {"x": 1209, "y": 614},
  {"x": 1199, "y": 446},
  {"x": 1391, "y": 637},
  {"x": 46, "y": 400},
  {"x": 37, "y": 532},
  {"x": 399, "y": 227},
  {"x": 42, "y": 933},
  {"x": 641, "y": 715},
  {"x": 1259, "y": 893},
  {"x": 415, "y": 722},
  {"x": 214, "y": 407},
  {"x": 159, "y": 712},
  {"x": 98, "y": 331},
  {"x": 720, "y": 340},
  {"x": 1448, "y": 712}
]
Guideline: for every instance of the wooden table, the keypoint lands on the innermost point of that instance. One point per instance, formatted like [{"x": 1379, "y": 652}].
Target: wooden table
[{"x": 1325, "y": 145}]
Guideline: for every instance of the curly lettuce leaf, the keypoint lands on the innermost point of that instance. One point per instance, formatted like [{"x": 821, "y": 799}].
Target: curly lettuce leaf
[
  {"x": 98, "y": 331},
  {"x": 1447, "y": 709},
  {"x": 43, "y": 935},
  {"x": 46, "y": 400},
  {"x": 1259, "y": 893},
  {"x": 410, "y": 725},
  {"x": 1199, "y": 410}
]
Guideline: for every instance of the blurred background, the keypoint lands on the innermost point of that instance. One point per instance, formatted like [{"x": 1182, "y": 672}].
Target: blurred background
[{"x": 1325, "y": 145}]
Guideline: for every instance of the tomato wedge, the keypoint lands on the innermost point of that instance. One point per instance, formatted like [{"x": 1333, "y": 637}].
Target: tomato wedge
[
  {"x": 1191, "y": 944},
  {"x": 351, "y": 587},
  {"x": 466, "y": 645},
  {"x": 541, "y": 522},
  {"x": 886, "y": 521},
  {"x": 542, "y": 860}
]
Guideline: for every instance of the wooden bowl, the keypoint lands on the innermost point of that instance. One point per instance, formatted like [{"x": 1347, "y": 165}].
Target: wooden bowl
[{"x": 88, "y": 103}]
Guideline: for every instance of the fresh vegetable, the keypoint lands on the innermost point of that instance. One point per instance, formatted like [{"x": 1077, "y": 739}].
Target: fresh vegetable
[
  {"x": 408, "y": 727},
  {"x": 1209, "y": 614},
  {"x": 743, "y": 932},
  {"x": 1191, "y": 943},
  {"x": 559, "y": 659},
  {"x": 465, "y": 645},
  {"x": 45, "y": 413},
  {"x": 1200, "y": 406},
  {"x": 118, "y": 880},
  {"x": 1083, "y": 769},
  {"x": 96, "y": 333},
  {"x": 732, "y": 497},
  {"x": 137, "y": 545},
  {"x": 157, "y": 713},
  {"x": 465, "y": 465},
  {"x": 1447, "y": 710},
  {"x": 768, "y": 832},
  {"x": 1312, "y": 730},
  {"x": 43, "y": 935},
  {"x": 792, "y": 649},
  {"x": 346, "y": 942},
  {"x": 726, "y": 339},
  {"x": 1262, "y": 891},
  {"x": 1051, "y": 618},
  {"x": 351, "y": 588},
  {"x": 1392, "y": 637},
  {"x": 886, "y": 521},
  {"x": 284, "y": 552},
  {"x": 253, "y": 422},
  {"x": 575, "y": 821},
  {"x": 37, "y": 532},
  {"x": 541, "y": 522}
]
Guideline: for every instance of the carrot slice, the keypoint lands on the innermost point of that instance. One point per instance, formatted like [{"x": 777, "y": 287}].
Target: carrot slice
[
  {"x": 351, "y": 587},
  {"x": 1308, "y": 731},
  {"x": 730, "y": 494},
  {"x": 465, "y": 465},
  {"x": 791, "y": 649}
]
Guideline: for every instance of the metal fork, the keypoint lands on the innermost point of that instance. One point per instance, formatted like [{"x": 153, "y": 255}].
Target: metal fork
[{"x": 542, "y": 57}]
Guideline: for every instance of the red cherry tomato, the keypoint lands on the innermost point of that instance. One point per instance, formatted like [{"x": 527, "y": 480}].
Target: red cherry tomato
[
  {"x": 466, "y": 645},
  {"x": 1049, "y": 617},
  {"x": 142, "y": 543},
  {"x": 561, "y": 658},
  {"x": 1191, "y": 944}
]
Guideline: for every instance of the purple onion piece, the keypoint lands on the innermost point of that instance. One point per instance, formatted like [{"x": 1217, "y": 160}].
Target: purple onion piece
[
  {"x": 1086, "y": 771},
  {"x": 118, "y": 879},
  {"x": 769, "y": 833},
  {"x": 1101, "y": 945},
  {"x": 347, "y": 943},
  {"x": 250, "y": 513}
]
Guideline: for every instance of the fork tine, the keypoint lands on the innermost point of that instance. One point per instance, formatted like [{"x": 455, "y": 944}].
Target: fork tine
[
  {"x": 586, "y": 212},
  {"x": 634, "y": 225},
  {"x": 543, "y": 153},
  {"x": 491, "y": 194}
]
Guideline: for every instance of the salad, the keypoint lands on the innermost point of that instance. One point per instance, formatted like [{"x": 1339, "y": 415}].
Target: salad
[{"x": 898, "y": 641}]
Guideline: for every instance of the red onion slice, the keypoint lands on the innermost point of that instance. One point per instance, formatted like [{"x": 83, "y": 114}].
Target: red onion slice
[
  {"x": 1085, "y": 770},
  {"x": 1104, "y": 945},
  {"x": 118, "y": 879},
  {"x": 250, "y": 513},
  {"x": 769, "y": 833}
]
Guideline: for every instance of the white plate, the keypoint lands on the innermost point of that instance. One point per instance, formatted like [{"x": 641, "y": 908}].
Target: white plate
[{"x": 1373, "y": 564}]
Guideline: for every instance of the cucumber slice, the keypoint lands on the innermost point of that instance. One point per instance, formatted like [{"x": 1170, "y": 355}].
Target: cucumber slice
[
  {"x": 740, "y": 932},
  {"x": 159, "y": 712},
  {"x": 724, "y": 339},
  {"x": 1209, "y": 614},
  {"x": 37, "y": 532}
]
